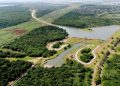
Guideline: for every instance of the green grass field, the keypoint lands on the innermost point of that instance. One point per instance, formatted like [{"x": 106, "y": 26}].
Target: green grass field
[
  {"x": 114, "y": 16},
  {"x": 9, "y": 34}
]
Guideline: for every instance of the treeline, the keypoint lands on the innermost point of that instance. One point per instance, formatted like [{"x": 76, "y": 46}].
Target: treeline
[
  {"x": 9, "y": 71},
  {"x": 10, "y": 16},
  {"x": 70, "y": 74},
  {"x": 8, "y": 54},
  {"x": 83, "y": 21},
  {"x": 34, "y": 43},
  {"x": 111, "y": 72},
  {"x": 88, "y": 16}
]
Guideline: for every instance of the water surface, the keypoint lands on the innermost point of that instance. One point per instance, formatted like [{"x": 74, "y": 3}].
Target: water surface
[
  {"x": 59, "y": 60},
  {"x": 102, "y": 33}
]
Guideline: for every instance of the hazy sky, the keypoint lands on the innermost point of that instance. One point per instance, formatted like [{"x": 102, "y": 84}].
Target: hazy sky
[
  {"x": 45, "y": 0},
  {"x": 55, "y": 0}
]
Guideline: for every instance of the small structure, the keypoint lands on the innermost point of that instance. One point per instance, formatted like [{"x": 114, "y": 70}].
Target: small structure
[{"x": 72, "y": 56}]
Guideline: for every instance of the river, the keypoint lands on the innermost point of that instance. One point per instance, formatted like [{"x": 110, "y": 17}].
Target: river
[{"x": 59, "y": 60}]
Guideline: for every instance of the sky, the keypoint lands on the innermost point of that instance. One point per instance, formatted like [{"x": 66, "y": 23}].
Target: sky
[
  {"x": 55, "y": 0},
  {"x": 46, "y": 0}
]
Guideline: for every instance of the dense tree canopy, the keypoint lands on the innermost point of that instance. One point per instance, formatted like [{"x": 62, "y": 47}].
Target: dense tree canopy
[
  {"x": 10, "y": 16},
  {"x": 85, "y": 50},
  {"x": 9, "y": 71},
  {"x": 111, "y": 72},
  {"x": 34, "y": 43},
  {"x": 8, "y": 54},
  {"x": 71, "y": 74},
  {"x": 89, "y": 16}
]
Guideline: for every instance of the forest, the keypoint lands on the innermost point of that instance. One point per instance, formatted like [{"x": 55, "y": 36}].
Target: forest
[
  {"x": 34, "y": 43},
  {"x": 10, "y": 16},
  {"x": 89, "y": 16},
  {"x": 70, "y": 74},
  {"x": 9, "y": 71},
  {"x": 111, "y": 72}
]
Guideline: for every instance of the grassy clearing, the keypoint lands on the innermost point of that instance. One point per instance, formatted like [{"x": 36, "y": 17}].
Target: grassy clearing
[
  {"x": 114, "y": 16},
  {"x": 24, "y": 59},
  {"x": 7, "y": 34},
  {"x": 73, "y": 40}
]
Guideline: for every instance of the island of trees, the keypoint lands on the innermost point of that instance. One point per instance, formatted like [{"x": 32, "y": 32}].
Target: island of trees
[{"x": 86, "y": 55}]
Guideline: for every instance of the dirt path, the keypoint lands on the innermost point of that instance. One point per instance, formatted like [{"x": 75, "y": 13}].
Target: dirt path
[
  {"x": 14, "y": 82},
  {"x": 33, "y": 14},
  {"x": 83, "y": 63}
]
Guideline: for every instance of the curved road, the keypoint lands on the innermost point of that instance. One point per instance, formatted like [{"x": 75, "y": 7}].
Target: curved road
[
  {"x": 33, "y": 14},
  {"x": 83, "y": 63}
]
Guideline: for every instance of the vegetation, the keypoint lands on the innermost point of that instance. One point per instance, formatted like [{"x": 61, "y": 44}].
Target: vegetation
[
  {"x": 57, "y": 45},
  {"x": 110, "y": 74},
  {"x": 89, "y": 16},
  {"x": 9, "y": 71},
  {"x": 86, "y": 57},
  {"x": 85, "y": 50},
  {"x": 13, "y": 15},
  {"x": 8, "y": 54},
  {"x": 34, "y": 43},
  {"x": 70, "y": 74},
  {"x": 51, "y": 17},
  {"x": 45, "y": 8}
]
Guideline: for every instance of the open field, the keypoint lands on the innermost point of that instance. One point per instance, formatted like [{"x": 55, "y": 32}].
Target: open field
[
  {"x": 112, "y": 16},
  {"x": 8, "y": 34},
  {"x": 73, "y": 40}
]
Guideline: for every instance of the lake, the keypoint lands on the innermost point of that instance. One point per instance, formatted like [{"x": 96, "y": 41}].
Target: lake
[{"x": 102, "y": 33}]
